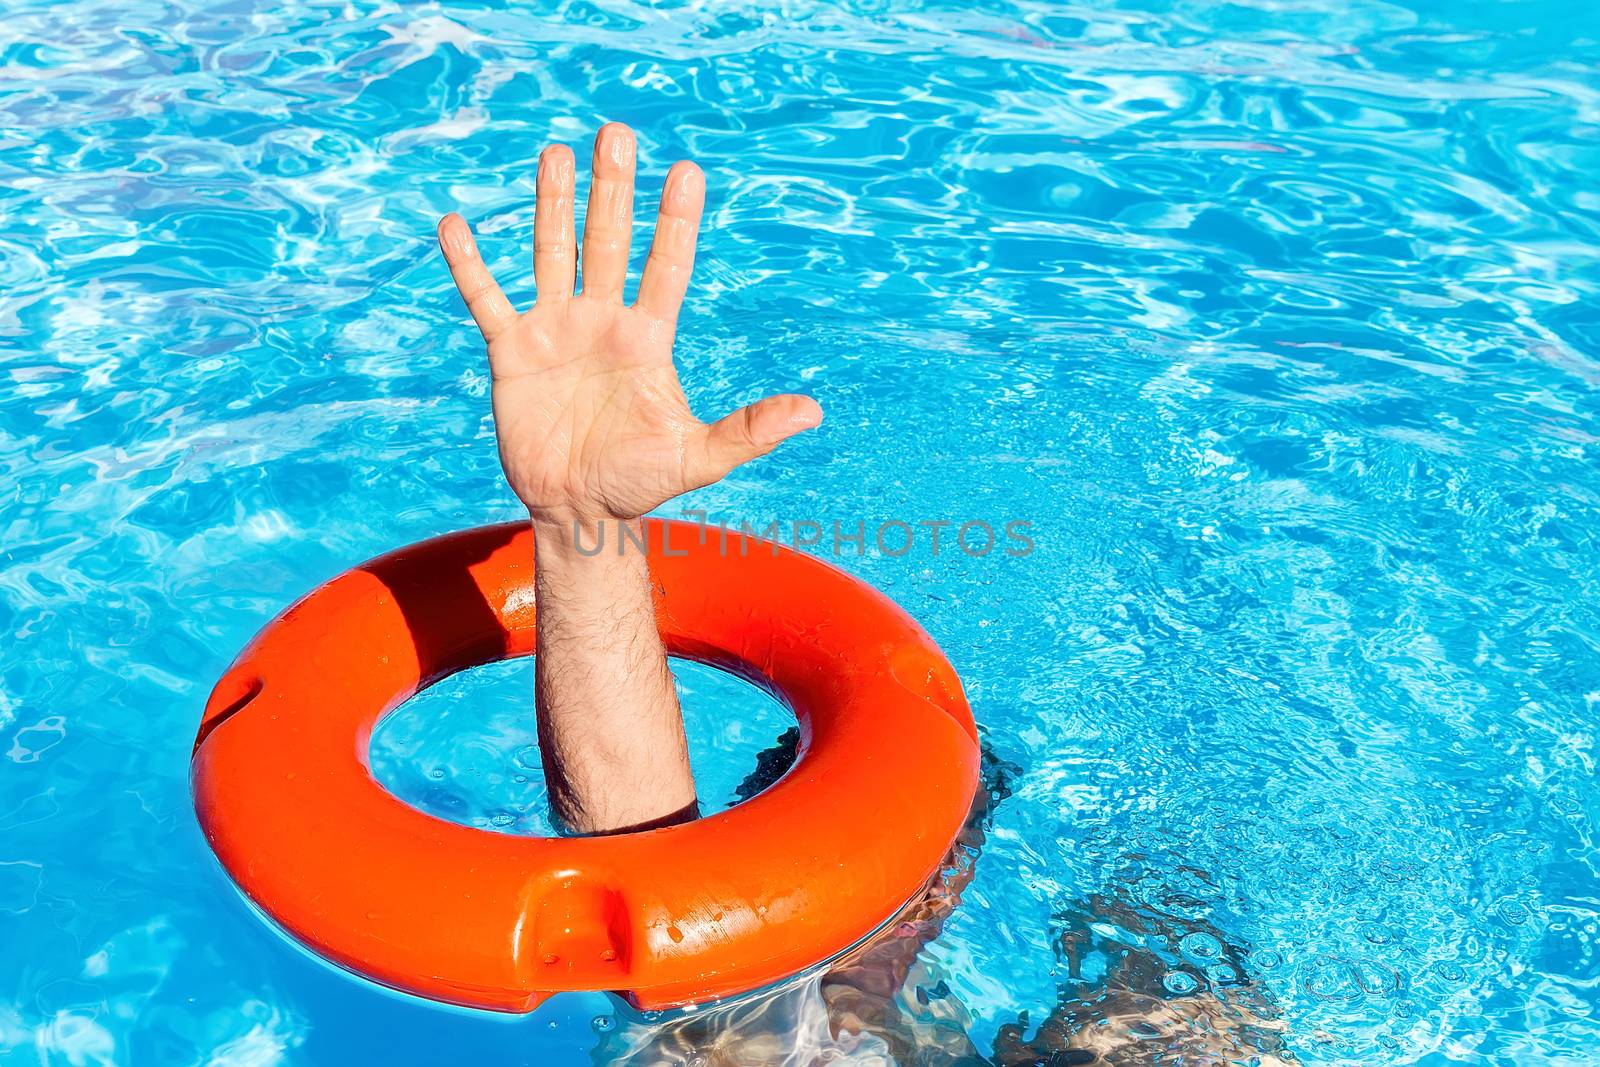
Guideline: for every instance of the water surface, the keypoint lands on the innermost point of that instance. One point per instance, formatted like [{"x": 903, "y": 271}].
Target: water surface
[{"x": 1279, "y": 322}]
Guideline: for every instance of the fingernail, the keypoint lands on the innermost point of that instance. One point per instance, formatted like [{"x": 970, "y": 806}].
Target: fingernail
[
  {"x": 619, "y": 146},
  {"x": 554, "y": 166},
  {"x": 457, "y": 237}
]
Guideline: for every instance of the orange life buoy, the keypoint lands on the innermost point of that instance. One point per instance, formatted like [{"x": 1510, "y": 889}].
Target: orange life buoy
[{"x": 887, "y": 769}]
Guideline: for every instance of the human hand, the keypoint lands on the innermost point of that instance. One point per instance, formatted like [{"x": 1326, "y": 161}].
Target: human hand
[{"x": 591, "y": 420}]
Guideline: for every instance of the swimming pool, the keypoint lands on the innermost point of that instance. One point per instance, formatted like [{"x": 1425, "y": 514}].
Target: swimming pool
[{"x": 1277, "y": 323}]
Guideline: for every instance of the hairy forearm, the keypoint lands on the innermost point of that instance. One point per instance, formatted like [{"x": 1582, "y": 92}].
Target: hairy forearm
[
  {"x": 591, "y": 420},
  {"x": 609, "y": 726}
]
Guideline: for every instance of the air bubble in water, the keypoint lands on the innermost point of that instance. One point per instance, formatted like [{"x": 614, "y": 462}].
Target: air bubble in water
[
  {"x": 1200, "y": 946},
  {"x": 1513, "y": 912},
  {"x": 1376, "y": 934},
  {"x": 1180, "y": 982},
  {"x": 1266, "y": 960}
]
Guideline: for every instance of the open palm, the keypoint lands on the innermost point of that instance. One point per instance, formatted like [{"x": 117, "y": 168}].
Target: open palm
[{"x": 591, "y": 419}]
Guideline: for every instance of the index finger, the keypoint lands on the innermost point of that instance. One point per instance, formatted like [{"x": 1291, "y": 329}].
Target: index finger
[{"x": 666, "y": 272}]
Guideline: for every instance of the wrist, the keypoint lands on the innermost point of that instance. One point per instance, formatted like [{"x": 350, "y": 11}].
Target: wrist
[{"x": 572, "y": 537}]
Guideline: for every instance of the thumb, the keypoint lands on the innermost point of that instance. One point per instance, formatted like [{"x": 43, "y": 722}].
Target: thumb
[{"x": 752, "y": 432}]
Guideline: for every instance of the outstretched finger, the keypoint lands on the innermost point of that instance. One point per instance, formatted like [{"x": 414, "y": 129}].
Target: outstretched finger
[
  {"x": 555, "y": 249},
  {"x": 490, "y": 309},
  {"x": 608, "y": 224},
  {"x": 666, "y": 272},
  {"x": 752, "y": 432}
]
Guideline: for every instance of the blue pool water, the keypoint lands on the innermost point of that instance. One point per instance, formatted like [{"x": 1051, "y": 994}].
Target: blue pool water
[{"x": 1279, "y": 322}]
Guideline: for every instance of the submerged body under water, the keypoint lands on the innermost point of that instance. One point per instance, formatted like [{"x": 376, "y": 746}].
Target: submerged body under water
[
  {"x": 1275, "y": 325},
  {"x": 1118, "y": 1002}
]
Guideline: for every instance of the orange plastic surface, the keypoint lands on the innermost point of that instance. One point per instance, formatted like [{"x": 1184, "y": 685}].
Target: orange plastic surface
[{"x": 887, "y": 770}]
